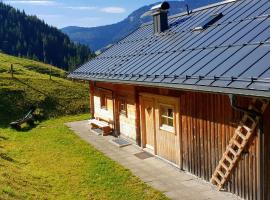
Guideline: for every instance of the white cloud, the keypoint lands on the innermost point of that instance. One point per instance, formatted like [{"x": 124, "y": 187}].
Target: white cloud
[
  {"x": 114, "y": 10},
  {"x": 49, "y": 16},
  {"x": 32, "y": 2},
  {"x": 82, "y": 7}
]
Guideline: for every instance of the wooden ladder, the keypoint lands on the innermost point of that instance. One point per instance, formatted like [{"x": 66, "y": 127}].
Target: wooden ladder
[{"x": 237, "y": 144}]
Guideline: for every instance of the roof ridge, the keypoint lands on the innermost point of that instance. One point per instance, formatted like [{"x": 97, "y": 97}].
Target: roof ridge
[
  {"x": 195, "y": 10},
  {"x": 186, "y": 30}
]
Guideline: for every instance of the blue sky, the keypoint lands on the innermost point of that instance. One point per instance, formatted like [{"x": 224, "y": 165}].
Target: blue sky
[{"x": 85, "y": 13}]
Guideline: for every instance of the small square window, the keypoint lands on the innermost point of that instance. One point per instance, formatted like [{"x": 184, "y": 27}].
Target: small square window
[
  {"x": 167, "y": 118},
  {"x": 123, "y": 106}
]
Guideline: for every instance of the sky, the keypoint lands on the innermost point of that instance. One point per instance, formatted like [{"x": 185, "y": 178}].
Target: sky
[{"x": 84, "y": 13}]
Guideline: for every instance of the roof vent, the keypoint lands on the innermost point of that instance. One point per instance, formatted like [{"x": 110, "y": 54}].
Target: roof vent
[{"x": 209, "y": 21}]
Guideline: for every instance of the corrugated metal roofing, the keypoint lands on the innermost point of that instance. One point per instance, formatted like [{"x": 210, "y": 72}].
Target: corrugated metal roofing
[{"x": 230, "y": 56}]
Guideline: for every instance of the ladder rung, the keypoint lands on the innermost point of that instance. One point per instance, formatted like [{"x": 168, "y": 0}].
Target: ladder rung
[
  {"x": 248, "y": 129},
  {"x": 241, "y": 135},
  {"x": 224, "y": 166},
  {"x": 221, "y": 173},
  {"x": 216, "y": 180},
  {"x": 229, "y": 159},
  {"x": 246, "y": 116},
  {"x": 237, "y": 144},
  {"x": 232, "y": 151}
]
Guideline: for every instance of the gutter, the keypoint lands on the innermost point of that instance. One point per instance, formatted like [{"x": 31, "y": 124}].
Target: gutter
[
  {"x": 199, "y": 88},
  {"x": 260, "y": 151}
]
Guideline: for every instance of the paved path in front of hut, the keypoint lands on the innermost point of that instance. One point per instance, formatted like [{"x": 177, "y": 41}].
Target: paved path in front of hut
[{"x": 162, "y": 176}]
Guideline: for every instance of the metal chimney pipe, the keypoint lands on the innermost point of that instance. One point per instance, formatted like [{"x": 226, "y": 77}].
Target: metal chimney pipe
[{"x": 160, "y": 17}]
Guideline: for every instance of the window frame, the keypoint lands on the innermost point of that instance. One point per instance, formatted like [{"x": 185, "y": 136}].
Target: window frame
[
  {"x": 104, "y": 101},
  {"x": 163, "y": 126},
  {"x": 122, "y": 101}
]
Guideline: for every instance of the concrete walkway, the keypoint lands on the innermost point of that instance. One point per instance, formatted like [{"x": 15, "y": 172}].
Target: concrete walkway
[{"x": 153, "y": 171}]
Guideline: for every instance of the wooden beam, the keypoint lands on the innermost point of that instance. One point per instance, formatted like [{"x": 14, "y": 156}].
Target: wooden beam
[
  {"x": 92, "y": 93},
  {"x": 138, "y": 117}
]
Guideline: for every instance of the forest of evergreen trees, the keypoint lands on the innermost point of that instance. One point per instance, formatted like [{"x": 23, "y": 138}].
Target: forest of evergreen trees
[{"x": 27, "y": 36}]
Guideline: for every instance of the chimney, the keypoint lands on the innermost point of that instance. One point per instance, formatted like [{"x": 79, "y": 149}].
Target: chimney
[{"x": 160, "y": 17}]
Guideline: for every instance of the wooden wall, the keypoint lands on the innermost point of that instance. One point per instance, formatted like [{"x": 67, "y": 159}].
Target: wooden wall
[
  {"x": 207, "y": 123},
  {"x": 126, "y": 124},
  {"x": 267, "y": 152},
  {"x": 167, "y": 143}
]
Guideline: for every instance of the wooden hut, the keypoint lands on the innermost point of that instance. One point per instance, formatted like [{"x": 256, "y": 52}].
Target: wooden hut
[{"x": 193, "y": 89}]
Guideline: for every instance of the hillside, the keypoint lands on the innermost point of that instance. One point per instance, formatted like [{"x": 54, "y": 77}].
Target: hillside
[
  {"x": 45, "y": 43},
  {"x": 98, "y": 37},
  {"x": 31, "y": 86}
]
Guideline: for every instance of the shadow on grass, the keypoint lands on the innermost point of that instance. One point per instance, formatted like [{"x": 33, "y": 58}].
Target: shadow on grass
[
  {"x": 3, "y": 138},
  {"x": 26, "y": 128},
  {"x": 4, "y": 156}
]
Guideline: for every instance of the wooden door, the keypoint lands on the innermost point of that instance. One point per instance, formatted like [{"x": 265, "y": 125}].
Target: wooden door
[
  {"x": 148, "y": 122},
  {"x": 162, "y": 137},
  {"x": 167, "y": 126}
]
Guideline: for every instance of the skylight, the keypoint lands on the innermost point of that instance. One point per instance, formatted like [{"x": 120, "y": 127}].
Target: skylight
[{"x": 209, "y": 21}]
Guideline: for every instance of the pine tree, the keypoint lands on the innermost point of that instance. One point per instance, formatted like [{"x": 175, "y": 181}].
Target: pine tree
[{"x": 30, "y": 37}]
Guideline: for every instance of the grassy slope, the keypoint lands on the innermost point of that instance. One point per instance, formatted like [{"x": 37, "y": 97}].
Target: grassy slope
[
  {"x": 50, "y": 162},
  {"x": 31, "y": 86}
]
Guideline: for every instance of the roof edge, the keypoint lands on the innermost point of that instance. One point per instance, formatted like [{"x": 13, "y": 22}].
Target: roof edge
[{"x": 205, "y": 89}]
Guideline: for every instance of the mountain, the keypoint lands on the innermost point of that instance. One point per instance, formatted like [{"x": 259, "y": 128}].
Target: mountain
[
  {"x": 99, "y": 37},
  {"x": 27, "y": 36}
]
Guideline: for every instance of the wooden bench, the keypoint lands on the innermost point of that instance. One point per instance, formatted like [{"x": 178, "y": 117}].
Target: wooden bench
[
  {"x": 104, "y": 126},
  {"x": 28, "y": 118}
]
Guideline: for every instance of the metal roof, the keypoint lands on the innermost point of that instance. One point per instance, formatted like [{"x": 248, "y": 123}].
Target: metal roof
[{"x": 230, "y": 56}]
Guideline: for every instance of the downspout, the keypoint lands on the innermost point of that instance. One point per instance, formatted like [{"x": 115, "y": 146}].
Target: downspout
[
  {"x": 114, "y": 113},
  {"x": 260, "y": 162}
]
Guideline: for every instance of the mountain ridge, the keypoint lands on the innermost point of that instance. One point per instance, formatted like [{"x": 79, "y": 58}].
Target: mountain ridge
[{"x": 99, "y": 37}]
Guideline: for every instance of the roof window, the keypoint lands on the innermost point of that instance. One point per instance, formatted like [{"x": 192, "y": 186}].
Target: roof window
[{"x": 208, "y": 22}]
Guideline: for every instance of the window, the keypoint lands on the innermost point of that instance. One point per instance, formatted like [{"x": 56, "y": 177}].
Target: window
[
  {"x": 103, "y": 101},
  {"x": 167, "y": 118},
  {"x": 123, "y": 106},
  {"x": 209, "y": 21}
]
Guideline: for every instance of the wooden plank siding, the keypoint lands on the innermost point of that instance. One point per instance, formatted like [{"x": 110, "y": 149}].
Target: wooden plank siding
[
  {"x": 206, "y": 124},
  {"x": 125, "y": 124},
  {"x": 266, "y": 123},
  {"x": 167, "y": 143}
]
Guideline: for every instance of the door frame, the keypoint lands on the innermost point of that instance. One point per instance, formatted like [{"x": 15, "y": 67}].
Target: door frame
[
  {"x": 156, "y": 102},
  {"x": 142, "y": 121}
]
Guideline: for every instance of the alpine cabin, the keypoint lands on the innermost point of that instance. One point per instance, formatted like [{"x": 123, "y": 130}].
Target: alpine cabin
[{"x": 193, "y": 89}]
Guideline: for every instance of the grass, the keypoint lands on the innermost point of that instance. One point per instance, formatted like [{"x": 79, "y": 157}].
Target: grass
[
  {"x": 50, "y": 162},
  {"x": 31, "y": 86}
]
